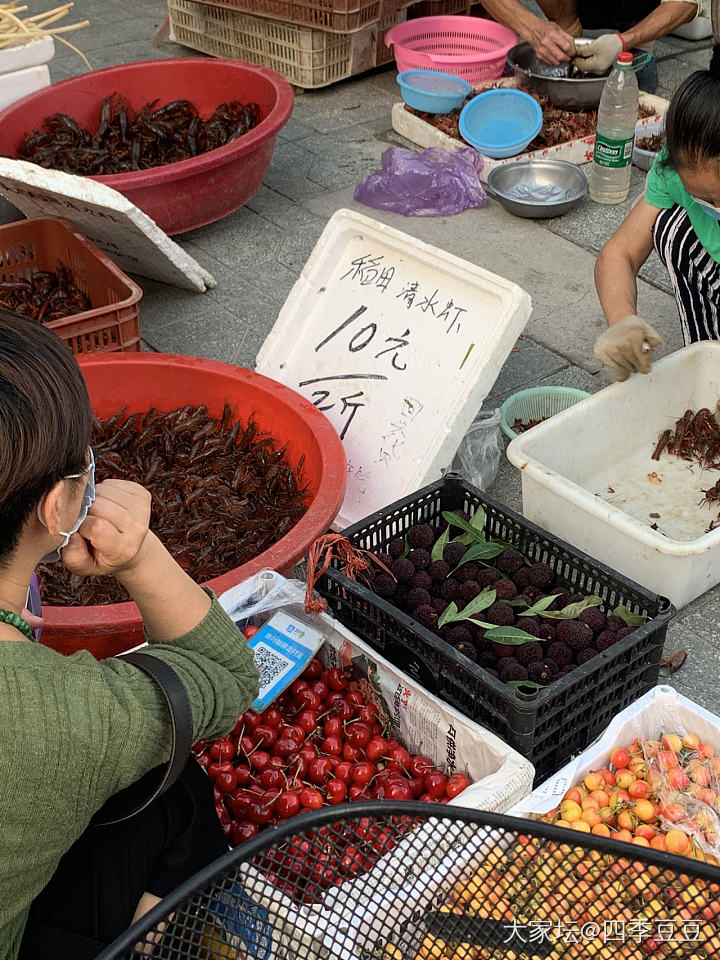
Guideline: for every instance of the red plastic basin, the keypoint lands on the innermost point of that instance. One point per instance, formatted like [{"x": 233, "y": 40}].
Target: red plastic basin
[
  {"x": 167, "y": 382},
  {"x": 179, "y": 196}
]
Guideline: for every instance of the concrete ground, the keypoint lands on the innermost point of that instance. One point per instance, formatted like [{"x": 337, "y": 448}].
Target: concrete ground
[{"x": 334, "y": 139}]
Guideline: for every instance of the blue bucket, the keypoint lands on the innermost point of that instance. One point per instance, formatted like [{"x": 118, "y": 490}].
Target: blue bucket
[{"x": 501, "y": 123}]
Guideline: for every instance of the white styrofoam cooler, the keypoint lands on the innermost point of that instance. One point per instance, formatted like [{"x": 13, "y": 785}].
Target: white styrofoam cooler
[
  {"x": 25, "y": 55},
  {"x": 586, "y": 477},
  {"x": 660, "y": 710}
]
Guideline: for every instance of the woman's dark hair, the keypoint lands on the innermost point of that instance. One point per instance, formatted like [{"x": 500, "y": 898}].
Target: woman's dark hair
[
  {"x": 692, "y": 124},
  {"x": 45, "y": 420}
]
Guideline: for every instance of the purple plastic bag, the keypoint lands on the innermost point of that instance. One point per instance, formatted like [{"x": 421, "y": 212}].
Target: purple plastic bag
[{"x": 434, "y": 183}]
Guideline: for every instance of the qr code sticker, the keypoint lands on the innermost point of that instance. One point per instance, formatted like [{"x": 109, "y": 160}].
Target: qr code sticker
[{"x": 273, "y": 666}]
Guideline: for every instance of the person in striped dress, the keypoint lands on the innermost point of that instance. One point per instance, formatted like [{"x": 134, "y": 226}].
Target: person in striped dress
[{"x": 679, "y": 217}]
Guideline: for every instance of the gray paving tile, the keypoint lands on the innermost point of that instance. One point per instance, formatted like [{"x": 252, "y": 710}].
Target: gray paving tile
[
  {"x": 528, "y": 362},
  {"x": 240, "y": 237},
  {"x": 697, "y": 59},
  {"x": 279, "y": 210},
  {"x": 671, "y": 74},
  {"x": 697, "y": 678}
]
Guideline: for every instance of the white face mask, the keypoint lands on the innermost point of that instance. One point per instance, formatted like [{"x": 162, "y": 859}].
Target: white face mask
[
  {"x": 87, "y": 501},
  {"x": 708, "y": 208}
]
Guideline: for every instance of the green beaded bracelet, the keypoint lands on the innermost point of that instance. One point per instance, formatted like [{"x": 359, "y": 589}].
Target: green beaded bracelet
[{"x": 6, "y": 616}]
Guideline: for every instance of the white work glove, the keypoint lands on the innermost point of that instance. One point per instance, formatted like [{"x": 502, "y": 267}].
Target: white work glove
[
  {"x": 626, "y": 346},
  {"x": 598, "y": 55}
]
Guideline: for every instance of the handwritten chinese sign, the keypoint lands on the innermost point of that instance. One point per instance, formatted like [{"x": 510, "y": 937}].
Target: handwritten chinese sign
[{"x": 397, "y": 343}]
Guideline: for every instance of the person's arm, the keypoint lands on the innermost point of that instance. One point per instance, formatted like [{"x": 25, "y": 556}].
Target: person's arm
[
  {"x": 620, "y": 260},
  {"x": 549, "y": 41},
  {"x": 627, "y": 343},
  {"x": 659, "y": 22}
]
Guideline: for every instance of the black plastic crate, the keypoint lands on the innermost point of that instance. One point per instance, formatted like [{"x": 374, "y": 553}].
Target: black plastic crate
[{"x": 547, "y": 726}]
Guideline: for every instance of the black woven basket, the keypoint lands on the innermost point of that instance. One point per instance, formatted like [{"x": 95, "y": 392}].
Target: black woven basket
[
  {"x": 549, "y": 725},
  {"x": 443, "y": 883}
]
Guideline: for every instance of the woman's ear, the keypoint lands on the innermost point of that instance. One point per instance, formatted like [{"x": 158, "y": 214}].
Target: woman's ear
[{"x": 49, "y": 509}]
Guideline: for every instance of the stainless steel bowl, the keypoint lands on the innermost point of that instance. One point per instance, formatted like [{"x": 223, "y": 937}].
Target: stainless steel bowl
[
  {"x": 558, "y": 173},
  {"x": 555, "y": 83}
]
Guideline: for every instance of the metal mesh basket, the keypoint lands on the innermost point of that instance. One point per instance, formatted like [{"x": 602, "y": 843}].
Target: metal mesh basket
[{"x": 413, "y": 882}]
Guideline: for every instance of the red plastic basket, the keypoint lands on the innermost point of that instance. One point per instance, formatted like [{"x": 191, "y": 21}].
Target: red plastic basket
[
  {"x": 167, "y": 381},
  {"x": 113, "y": 324},
  {"x": 467, "y": 47}
]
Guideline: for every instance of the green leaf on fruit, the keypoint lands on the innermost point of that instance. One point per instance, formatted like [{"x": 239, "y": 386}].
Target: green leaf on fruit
[
  {"x": 455, "y": 521},
  {"x": 514, "y": 684},
  {"x": 406, "y": 551},
  {"x": 481, "y": 551},
  {"x": 449, "y": 615},
  {"x": 539, "y": 607},
  {"x": 517, "y": 602},
  {"x": 481, "y": 623},
  {"x": 511, "y": 636},
  {"x": 479, "y": 603},
  {"x": 628, "y": 617},
  {"x": 443, "y": 540},
  {"x": 478, "y": 520},
  {"x": 573, "y": 610}
]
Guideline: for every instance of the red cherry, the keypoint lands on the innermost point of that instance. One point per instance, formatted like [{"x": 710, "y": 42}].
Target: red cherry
[
  {"x": 337, "y": 679},
  {"x": 332, "y": 744},
  {"x": 333, "y": 726},
  {"x": 343, "y": 771},
  {"x": 368, "y": 713},
  {"x": 320, "y": 770},
  {"x": 335, "y": 791},
  {"x": 310, "y": 798},
  {"x": 351, "y": 753},
  {"x": 246, "y": 745},
  {"x": 320, "y": 688},
  {"x": 313, "y": 670},
  {"x": 298, "y": 686},
  {"x": 204, "y": 760},
  {"x": 242, "y": 831},
  {"x": 287, "y": 804},
  {"x": 259, "y": 812},
  {"x": 419, "y": 766},
  {"x": 358, "y": 733},
  {"x": 356, "y": 792},
  {"x": 398, "y": 759},
  {"x": 417, "y": 786},
  {"x": 435, "y": 783},
  {"x": 376, "y": 748},
  {"x": 215, "y": 768},
  {"x": 285, "y": 746},
  {"x": 363, "y": 772},
  {"x": 226, "y": 781},
  {"x": 272, "y": 777},
  {"x": 222, "y": 814},
  {"x": 197, "y": 748},
  {"x": 265, "y": 735},
  {"x": 259, "y": 760},
  {"x": 308, "y": 720},
  {"x": 456, "y": 784},
  {"x": 355, "y": 698},
  {"x": 222, "y": 750},
  {"x": 251, "y": 719},
  {"x": 399, "y": 790},
  {"x": 271, "y": 717},
  {"x": 426, "y": 798},
  {"x": 250, "y": 631},
  {"x": 343, "y": 709},
  {"x": 308, "y": 751},
  {"x": 309, "y": 698}
]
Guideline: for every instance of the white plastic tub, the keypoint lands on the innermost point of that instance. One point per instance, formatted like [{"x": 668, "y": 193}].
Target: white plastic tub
[
  {"x": 26, "y": 55},
  {"x": 585, "y": 477}
]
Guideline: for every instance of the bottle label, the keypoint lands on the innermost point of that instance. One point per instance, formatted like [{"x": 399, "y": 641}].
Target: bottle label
[{"x": 613, "y": 153}]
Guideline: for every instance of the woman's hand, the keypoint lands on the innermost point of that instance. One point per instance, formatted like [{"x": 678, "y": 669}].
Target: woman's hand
[
  {"x": 626, "y": 346},
  {"x": 111, "y": 539},
  {"x": 551, "y": 43}
]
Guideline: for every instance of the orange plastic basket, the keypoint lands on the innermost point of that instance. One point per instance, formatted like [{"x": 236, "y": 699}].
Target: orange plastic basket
[{"x": 113, "y": 324}]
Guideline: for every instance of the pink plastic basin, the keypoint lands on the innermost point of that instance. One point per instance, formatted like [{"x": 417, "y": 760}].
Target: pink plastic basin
[
  {"x": 178, "y": 196},
  {"x": 166, "y": 381}
]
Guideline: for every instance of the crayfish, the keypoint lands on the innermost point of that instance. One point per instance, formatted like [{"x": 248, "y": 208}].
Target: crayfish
[{"x": 46, "y": 296}]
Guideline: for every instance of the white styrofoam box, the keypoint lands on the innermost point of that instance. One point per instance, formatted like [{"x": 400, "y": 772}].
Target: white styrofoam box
[
  {"x": 398, "y": 343},
  {"x": 19, "y": 83},
  {"x": 579, "y": 151},
  {"x": 585, "y": 477},
  {"x": 114, "y": 224},
  {"x": 26, "y": 55},
  {"x": 697, "y": 29},
  {"x": 661, "y": 710}
]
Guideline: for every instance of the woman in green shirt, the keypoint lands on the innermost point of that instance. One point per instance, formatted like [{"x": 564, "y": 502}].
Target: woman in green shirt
[
  {"x": 75, "y": 731},
  {"x": 678, "y": 217}
]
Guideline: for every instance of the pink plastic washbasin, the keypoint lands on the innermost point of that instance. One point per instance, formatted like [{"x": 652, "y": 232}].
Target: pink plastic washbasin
[{"x": 178, "y": 196}]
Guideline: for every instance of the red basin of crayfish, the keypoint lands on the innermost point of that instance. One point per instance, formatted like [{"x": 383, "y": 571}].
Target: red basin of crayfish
[
  {"x": 188, "y": 194},
  {"x": 166, "y": 381}
]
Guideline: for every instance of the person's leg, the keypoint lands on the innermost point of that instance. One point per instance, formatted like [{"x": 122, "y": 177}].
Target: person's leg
[
  {"x": 564, "y": 13},
  {"x": 113, "y": 872}
]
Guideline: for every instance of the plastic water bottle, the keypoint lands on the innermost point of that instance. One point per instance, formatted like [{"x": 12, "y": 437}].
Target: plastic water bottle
[{"x": 617, "y": 116}]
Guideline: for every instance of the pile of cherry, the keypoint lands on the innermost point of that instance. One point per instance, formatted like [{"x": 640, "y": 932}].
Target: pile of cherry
[{"x": 319, "y": 743}]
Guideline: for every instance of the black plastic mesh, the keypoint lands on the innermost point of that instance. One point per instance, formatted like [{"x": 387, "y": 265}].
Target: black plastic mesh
[{"x": 380, "y": 882}]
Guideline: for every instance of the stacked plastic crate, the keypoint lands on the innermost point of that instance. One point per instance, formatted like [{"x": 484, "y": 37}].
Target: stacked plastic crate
[{"x": 312, "y": 43}]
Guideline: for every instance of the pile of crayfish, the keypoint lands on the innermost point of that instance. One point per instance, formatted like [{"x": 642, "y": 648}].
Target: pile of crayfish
[
  {"x": 124, "y": 141},
  {"x": 222, "y": 493},
  {"x": 47, "y": 295},
  {"x": 696, "y": 438}
]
